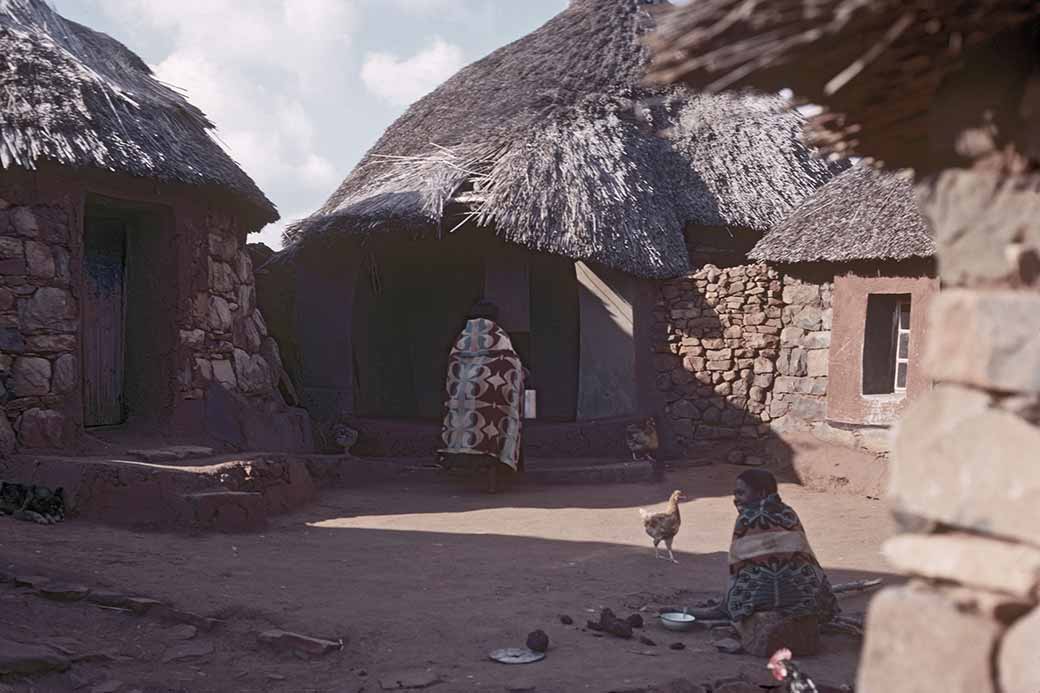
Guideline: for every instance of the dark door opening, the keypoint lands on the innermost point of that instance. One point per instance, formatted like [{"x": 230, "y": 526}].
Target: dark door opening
[
  {"x": 129, "y": 313},
  {"x": 411, "y": 301},
  {"x": 104, "y": 322}
]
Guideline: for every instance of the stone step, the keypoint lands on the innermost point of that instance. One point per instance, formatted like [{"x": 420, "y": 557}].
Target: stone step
[
  {"x": 171, "y": 453},
  {"x": 604, "y": 438},
  {"x": 616, "y": 473},
  {"x": 224, "y": 511}
]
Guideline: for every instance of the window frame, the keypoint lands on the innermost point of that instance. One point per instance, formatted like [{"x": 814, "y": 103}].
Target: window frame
[{"x": 898, "y": 331}]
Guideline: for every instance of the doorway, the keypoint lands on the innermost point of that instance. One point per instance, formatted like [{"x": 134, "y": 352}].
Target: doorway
[{"x": 129, "y": 310}]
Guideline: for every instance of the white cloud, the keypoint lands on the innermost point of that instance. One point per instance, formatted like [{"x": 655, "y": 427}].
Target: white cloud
[
  {"x": 403, "y": 80},
  {"x": 258, "y": 69}
]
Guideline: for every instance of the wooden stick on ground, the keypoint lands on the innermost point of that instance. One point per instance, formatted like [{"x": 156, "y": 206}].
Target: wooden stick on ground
[{"x": 857, "y": 586}]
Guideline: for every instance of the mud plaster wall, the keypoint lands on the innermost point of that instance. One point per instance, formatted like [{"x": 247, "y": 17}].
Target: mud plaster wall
[
  {"x": 220, "y": 336},
  {"x": 845, "y": 401}
]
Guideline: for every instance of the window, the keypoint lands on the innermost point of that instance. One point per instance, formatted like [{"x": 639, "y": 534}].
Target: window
[{"x": 886, "y": 344}]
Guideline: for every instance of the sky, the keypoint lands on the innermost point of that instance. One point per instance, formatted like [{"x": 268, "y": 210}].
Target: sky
[{"x": 300, "y": 89}]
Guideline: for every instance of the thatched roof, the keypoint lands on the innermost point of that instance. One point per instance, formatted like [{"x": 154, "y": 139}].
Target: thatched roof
[
  {"x": 862, "y": 214},
  {"x": 80, "y": 98},
  {"x": 552, "y": 141},
  {"x": 875, "y": 65}
]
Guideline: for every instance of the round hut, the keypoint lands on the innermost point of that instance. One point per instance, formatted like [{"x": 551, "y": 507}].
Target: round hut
[
  {"x": 861, "y": 241},
  {"x": 127, "y": 300},
  {"x": 544, "y": 177}
]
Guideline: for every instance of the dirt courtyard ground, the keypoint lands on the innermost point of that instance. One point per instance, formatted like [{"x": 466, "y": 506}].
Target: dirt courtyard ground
[{"x": 420, "y": 576}]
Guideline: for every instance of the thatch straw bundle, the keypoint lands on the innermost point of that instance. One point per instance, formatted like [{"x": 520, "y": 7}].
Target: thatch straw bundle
[
  {"x": 874, "y": 65},
  {"x": 80, "y": 98},
  {"x": 862, "y": 214},
  {"x": 553, "y": 142}
]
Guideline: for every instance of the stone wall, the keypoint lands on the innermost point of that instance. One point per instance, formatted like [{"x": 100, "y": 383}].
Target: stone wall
[
  {"x": 965, "y": 480},
  {"x": 800, "y": 392},
  {"x": 39, "y": 342},
  {"x": 743, "y": 355},
  {"x": 222, "y": 336},
  {"x": 718, "y": 338}
]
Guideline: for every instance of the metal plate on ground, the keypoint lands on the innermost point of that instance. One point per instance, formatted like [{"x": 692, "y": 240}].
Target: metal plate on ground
[{"x": 516, "y": 655}]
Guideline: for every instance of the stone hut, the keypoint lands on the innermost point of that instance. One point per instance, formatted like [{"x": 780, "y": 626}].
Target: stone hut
[
  {"x": 537, "y": 177},
  {"x": 127, "y": 302},
  {"x": 948, "y": 90},
  {"x": 859, "y": 279},
  {"x": 823, "y": 324}
]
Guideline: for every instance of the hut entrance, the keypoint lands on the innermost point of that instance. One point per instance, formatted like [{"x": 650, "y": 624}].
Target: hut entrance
[
  {"x": 411, "y": 301},
  {"x": 129, "y": 304}
]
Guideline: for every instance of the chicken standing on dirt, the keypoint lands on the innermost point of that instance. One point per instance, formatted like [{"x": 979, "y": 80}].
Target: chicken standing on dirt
[{"x": 664, "y": 526}]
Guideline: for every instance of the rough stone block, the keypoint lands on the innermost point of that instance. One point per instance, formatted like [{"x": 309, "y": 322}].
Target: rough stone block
[
  {"x": 39, "y": 260},
  {"x": 684, "y": 409},
  {"x": 694, "y": 363},
  {"x": 46, "y": 308},
  {"x": 959, "y": 462},
  {"x": 64, "y": 374},
  {"x": 969, "y": 560},
  {"x": 763, "y": 365},
  {"x": 977, "y": 215},
  {"x": 25, "y": 222},
  {"x": 817, "y": 363},
  {"x": 51, "y": 343},
  {"x": 219, "y": 314},
  {"x": 30, "y": 376},
  {"x": 224, "y": 373},
  {"x": 808, "y": 408},
  {"x": 720, "y": 365},
  {"x": 764, "y": 381},
  {"x": 1003, "y": 351},
  {"x": 919, "y": 641},
  {"x": 1017, "y": 660},
  {"x": 816, "y": 340},
  {"x": 252, "y": 372},
  {"x": 792, "y": 362},
  {"x": 801, "y": 294},
  {"x": 221, "y": 277},
  {"x": 41, "y": 428},
  {"x": 8, "y": 439},
  {"x": 809, "y": 318}
]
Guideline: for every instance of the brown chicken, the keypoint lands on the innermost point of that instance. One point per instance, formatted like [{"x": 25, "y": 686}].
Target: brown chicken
[
  {"x": 664, "y": 526},
  {"x": 641, "y": 439}
]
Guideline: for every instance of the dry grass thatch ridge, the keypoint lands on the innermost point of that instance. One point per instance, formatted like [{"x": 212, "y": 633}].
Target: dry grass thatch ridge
[
  {"x": 862, "y": 214},
  {"x": 553, "y": 141},
  {"x": 80, "y": 98}
]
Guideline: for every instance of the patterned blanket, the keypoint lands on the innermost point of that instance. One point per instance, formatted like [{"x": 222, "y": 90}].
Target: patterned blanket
[
  {"x": 485, "y": 391},
  {"x": 773, "y": 568}
]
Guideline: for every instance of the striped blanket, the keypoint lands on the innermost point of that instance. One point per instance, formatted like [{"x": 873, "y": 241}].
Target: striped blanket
[
  {"x": 485, "y": 391},
  {"x": 773, "y": 568}
]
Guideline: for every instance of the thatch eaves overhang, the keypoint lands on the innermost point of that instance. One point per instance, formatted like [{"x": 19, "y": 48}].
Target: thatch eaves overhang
[
  {"x": 861, "y": 215},
  {"x": 553, "y": 142},
  {"x": 80, "y": 98}
]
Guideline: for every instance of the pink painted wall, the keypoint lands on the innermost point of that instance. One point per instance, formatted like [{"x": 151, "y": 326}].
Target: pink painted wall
[{"x": 845, "y": 401}]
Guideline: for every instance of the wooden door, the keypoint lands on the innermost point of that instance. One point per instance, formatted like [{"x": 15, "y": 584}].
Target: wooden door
[{"x": 104, "y": 322}]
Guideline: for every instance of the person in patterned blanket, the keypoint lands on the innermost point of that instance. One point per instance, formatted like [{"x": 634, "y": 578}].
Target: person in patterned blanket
[
  {"x": 485, "y": 393},
  {"x": 772, "y": 567}
]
